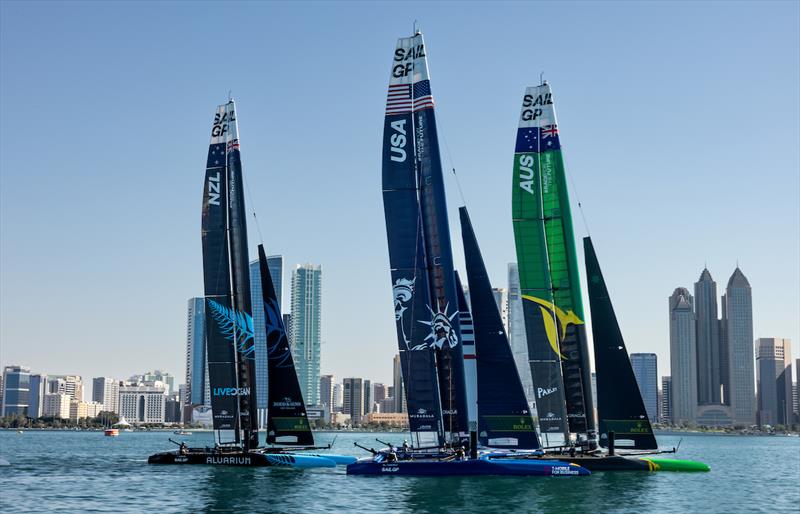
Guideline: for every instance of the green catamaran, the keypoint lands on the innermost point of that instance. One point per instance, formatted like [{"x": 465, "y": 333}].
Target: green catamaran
[{"x": 554, "y": 320}]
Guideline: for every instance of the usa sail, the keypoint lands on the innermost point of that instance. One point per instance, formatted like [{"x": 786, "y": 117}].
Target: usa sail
[
  {"x": 411, "y": 160},
  {"x": 229, "y": 322},
  {"x": 620, "y": 408},
  {"x": 548, "y": 270},
  {"x": 287, "y": 420},
  {"x": 504, "y": 418}
]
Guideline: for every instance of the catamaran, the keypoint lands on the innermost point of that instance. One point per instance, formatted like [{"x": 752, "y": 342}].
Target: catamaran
[
  {"x": 427, "y": 298},
  {"x": 554, "y": 319},
  {"x": 230, "y": 333}
]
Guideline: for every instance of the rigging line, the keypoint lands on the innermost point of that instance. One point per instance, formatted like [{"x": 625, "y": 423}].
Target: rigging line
[
  {"x": 452, "y": 164},
  {"x": 252, "y": 208},
  {"x": 577, "y": 196}
]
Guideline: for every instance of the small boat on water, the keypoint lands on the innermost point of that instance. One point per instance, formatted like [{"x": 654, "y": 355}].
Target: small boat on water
[
  {"x": 111, "y": 432},
  {"x": 182, "y": 432}
]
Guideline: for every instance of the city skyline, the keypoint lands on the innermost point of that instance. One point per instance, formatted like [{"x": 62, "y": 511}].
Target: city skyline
[{"x": 89, "y": 204}]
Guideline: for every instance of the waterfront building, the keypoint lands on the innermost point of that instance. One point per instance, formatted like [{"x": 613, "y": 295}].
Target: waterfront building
[
  {"x": 739, "y": 332},
  {"x": 17, "y": 390},
  {"x": 386, "y": 405},
  {"x": 683, "y": 357},
  {"x": 143, "y": 403},
  {"x": 318, "y": 412},
  {"x": 353, "y": 398},
  {"x": 367, "y": 397},
  {"x": 326, "y": 383},
  {"x": 399, "y": 390},
  {"x": 78, "y": 409},
  {"x": 106, "y": 391},
  {"x": 198, "y": 389},
  {"x": 378, "y": 392},
  {"x": 38, "y": 390},
  {"x": 516, "y": 332},
  {"x": 275, "y": 266},
  {"x": 338, "y": 398},
  {"x": 340, "y": 418},
  {"x": 71, "y": 385},
  {"x": 774, "y": 368},
  {"x": 1, "y": 394},
  {"x": 395, "y": 419},
  {"x": 172, "y": 408},
  {"x": 709, "y": 382},
  {"x": 157, "y": 375},
  {"x": 645, "y": 369},
  {"x": 665, "y": 416},
  {"x": 307, "y": 328},
  {"x": 56, "y": 405}
]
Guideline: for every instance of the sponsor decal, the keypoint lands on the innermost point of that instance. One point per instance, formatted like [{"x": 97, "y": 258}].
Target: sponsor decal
[
  {"x": 532, "y": 106},
  {"x": 286, "y": 402},
  {"x": 555, "y": 333},
  {"x": 403, "y": 291},
  {"x": 441, "y": 329},
  {"x": 277, "y": 343},
  {"x": 234, "y": 460},
  {"x": 231, "y": 391},
  {"x": 541, "y": 392},
  {"x": 404, "y": 60},
  {"x": 390, "y": 468},
  {"x": 213, "y": 189},
  {"x": 565, "y": 470},
  {"x": 181, "y": 459},
  {"x": 220, "y": 126},
  {"x": 420, "y": 414}
]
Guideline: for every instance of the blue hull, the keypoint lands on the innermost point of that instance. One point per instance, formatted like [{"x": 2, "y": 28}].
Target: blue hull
[
  {"x": 466, "y": 468},
  {"x": 341, "y": 460}
]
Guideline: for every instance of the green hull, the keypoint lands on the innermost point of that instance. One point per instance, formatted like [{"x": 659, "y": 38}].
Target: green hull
[
  {"x": 676, "y": 465},
  {"x": 630, "y": 463}
]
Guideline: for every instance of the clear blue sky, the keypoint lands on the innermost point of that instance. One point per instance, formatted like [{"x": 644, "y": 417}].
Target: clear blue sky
[{"x": 679, "y": 123}]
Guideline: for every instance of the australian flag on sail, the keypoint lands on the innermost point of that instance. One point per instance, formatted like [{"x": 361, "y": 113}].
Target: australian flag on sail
[
  {"x": 422, "y": 95},
  {"x": 216, "y": 156},
  {"x": 537, "y": 139}
]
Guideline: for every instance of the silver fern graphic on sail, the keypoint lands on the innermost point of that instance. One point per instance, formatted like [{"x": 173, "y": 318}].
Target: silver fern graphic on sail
[
  {"x": 235, "y": 326},
  {"x": 277, "y": 342}
]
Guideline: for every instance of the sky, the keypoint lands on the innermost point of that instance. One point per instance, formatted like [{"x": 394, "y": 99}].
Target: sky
[{"x": 679, "y": 123}]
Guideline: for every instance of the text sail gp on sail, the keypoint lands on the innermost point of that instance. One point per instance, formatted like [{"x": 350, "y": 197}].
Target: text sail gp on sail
[
  {"x": 548, "y": 272},
  {"x": 420, "y": 254}
]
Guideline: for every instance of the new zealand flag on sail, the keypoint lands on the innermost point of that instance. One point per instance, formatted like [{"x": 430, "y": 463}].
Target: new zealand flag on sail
[
  {"x": 216, "y": 156},
  {"x": 537, "y": 139}
]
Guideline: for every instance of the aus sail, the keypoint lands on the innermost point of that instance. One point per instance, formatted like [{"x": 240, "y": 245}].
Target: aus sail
[{"x": 548, "y": 269}]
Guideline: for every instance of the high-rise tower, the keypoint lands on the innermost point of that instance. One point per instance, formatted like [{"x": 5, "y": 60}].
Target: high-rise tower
[
  {"x": 306, "y": 329},
  {"x": 774, "y": 359},
  {"x": 739, "y": 331},
  {"x": 275, "y": 265},
  {"x": 708, "y": 343},
  {"x": 683, "y": 356}
]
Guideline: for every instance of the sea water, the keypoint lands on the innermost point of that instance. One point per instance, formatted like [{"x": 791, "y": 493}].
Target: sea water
[{"x": 58, "y": 471}]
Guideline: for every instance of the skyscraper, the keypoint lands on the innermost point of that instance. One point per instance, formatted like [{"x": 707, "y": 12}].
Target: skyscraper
[
  {"x": 501, "y": 299},
  {"x": 645, "y": 369},
  {"x": 683, "y": 356},
  {"x": 666, "y": 399},
  {"x": 709, "y": 382},
  {"x": 275, "y": 266},
  {"x": 739, "y": 331},
  {"x": 774, "y": 381},
  {"x": 399, "y": 391},
  {"x": 307, "y": 328},
  {"x": 106, "y": 391},
  {"x": 367, "y": 397},
  {"x": 516, "y": 331},
  {"x": 17, "y": 392},
  {"x": 38, "y": 390},
  {"x": 71, "y": 385},
  {"x": 353, "y": 398},
  {"x": 197, "y": 386},
  {"x": 326, "y": 383},
  {"x": 378, "y": 392}
]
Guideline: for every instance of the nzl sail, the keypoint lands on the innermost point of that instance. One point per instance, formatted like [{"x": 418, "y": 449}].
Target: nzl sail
[
  {"x": 229, "y": 323},
  {"x": 548, "y": 271},
  {"x": 412, "y": 178},
  {"x": 287, "y": 421},
  {"x": 504, "y": 418},
  {"x": 620, "y": 407}
]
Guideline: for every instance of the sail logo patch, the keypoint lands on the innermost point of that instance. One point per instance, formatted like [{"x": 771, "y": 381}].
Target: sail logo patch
[
  {"x": 398, "y": 141},
  {"x": 526, "y": 172},
  {"x": 534, "y": 110},
  {"x": 231, "y": 391},
  {"x": 403, "y": 291},
  {"x": 541, "y": 392},
  {"x": 220, "y": 126},
  {"x": 442, "y": 330},
  {"x": 555, "y": 332},
  {"x": 405, "y": 60}
]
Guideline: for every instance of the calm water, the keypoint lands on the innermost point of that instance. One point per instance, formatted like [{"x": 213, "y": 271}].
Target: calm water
[{"x": 85, "y": 471}]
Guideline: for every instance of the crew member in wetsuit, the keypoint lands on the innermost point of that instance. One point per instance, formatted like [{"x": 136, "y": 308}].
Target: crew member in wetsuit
[{"x": 182, "y": 450}]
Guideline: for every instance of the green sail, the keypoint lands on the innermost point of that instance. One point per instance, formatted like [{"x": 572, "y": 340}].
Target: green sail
[{"x": 548, "y": 272}]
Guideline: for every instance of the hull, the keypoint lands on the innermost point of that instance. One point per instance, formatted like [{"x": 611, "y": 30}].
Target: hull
[
  {"x": 341, "y": 460},
  {"x": 510, "y": 467},
  {"x": 242, "y": 459},
  {"x": 625, "y": 463}
]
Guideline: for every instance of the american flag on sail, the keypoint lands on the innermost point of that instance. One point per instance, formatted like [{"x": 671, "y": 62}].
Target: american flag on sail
[
  {"x": 398, "y": 101},
  {"x": 422, "y": 95}
]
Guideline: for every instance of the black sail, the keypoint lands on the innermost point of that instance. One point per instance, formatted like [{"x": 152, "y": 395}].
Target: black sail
[
  {"x": 229, "y": 321},
  {"x": 287, "y": 421},
  {"x": 620, "y": 407},
  {"x": 504, "y": 418}
]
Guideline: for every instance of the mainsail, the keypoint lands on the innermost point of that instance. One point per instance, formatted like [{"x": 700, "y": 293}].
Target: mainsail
[
  {"x": 620, "y": 407},
  {"x": 548, "y": 271},
  {"x": 229, "y": 322},
  {"x": 470, "y": 364},
  {"x": 287, "y": 421},
  {"x": 504, "y": 418},
  {"x": 419, "y": 242}
]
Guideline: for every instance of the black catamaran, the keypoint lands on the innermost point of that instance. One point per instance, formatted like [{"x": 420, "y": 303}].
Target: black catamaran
[{"x": 230, "y": 332}]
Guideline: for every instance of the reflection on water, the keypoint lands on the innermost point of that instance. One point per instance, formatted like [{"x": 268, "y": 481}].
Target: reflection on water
[{"x": 78, "y": 472}]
